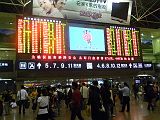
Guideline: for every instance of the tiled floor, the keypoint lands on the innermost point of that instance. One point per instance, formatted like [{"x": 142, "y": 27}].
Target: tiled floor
[{"x": 138, "y": 112}]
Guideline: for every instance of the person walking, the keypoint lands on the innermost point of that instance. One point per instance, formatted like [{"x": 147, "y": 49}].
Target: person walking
[
  {"x": 41, "y": 112},
  {"x": 107, "y": 100},
  {"x": 94, "y": 101},
  {"x": 22, "y": 96},
  {"x": 75, "y": 102},
  {"x": 126, "y": 99},
  {"x": 84, "y": 94},
  {"x": 6, "y": 99}
]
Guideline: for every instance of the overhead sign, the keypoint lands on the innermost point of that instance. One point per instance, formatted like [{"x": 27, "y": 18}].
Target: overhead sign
[
  {"x": 105, "y": 11},
  {"x": 80, "y": 65},
  {"x": 6, "y": 65},
  {"x": 49, "y": 39}
]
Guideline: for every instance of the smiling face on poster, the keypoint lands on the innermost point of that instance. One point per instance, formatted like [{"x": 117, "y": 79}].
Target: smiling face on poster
[{"x": 105, "y": 11}]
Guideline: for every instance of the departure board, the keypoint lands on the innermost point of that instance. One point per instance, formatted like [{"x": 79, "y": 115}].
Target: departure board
[
  {"x": 122, "y": 41},
  {"x": 40, "y": 36},
  {"x": 48, "y": 39}
]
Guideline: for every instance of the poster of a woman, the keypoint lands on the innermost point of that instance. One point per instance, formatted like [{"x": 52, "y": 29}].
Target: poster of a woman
[{"x": 49, "y": 8}]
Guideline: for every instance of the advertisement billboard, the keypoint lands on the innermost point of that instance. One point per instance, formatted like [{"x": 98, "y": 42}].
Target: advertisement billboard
[
  {"x": 85, "y": 38},
  {"x": 105, "y": 11}
]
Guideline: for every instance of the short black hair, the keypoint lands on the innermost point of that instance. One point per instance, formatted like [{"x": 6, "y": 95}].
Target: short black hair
[
  {"x": 44, "y": 92},
  {"x": 74, "y": 84},
  {"x": 95, "y": 82},
  {"x": 83, "y": 84},
  {"x": 22, "y": 87}
]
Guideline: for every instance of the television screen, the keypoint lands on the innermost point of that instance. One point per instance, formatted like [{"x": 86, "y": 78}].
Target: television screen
[
  {"x": 120, "y": 11},
  {"x": 86, "y": 38},
  {"x": 138, "y": 81}
]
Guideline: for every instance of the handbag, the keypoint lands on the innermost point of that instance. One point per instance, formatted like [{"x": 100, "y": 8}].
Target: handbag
[{"x": 18, "y": 102}]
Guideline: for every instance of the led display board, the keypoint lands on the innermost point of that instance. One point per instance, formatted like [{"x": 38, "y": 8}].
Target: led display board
[
  {"x": 40, "y": 36},
  {"x": 80, "y": 65},
  {"x": 72, "y": 43},
  {"x": 106, "y": 11},
  {"x": 123, "y": 41}
]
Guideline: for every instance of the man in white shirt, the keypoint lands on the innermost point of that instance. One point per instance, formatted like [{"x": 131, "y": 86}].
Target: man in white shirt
[
  {"x": 22, "y": 96},
  {"x": 126, "y": 99},
  {"x": 84, "y": 95}
]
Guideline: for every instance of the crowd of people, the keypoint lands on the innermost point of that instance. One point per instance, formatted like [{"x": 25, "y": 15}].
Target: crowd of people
[{"x": 97, "y": 100}]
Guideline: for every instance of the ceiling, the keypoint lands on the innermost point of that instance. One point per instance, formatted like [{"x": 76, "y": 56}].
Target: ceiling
[{"x": 145, "y": 13}]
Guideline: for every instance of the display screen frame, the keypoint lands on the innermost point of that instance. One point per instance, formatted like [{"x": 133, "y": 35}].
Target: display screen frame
[
  {"x": 79, "y": 55},
  {"x": 85, "y": 25},
  {"x": 124, "y": 27},
  {"x": 120, "y": 6}
]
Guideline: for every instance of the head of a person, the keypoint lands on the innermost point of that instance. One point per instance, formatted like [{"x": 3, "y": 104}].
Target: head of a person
[
  {"x": 106, "y": 84},
  {"x": 44, "y": 92},
  {"x": 22, "y": 87},
  {"x": 59, "y": 4},
  {"x": 125, "y": 84},
  {"x": 46, "y": 5},
  {"x": 74, "y": 85},
  {"x": 95, "y": 83},
  {"x": 83, "y": 84}
]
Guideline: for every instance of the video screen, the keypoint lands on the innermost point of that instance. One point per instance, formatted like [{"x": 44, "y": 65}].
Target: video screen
[
  {"x": 138, "y": 81},
  {"x": 120, "y": 11},
  {"x": 86, "y": 38}
]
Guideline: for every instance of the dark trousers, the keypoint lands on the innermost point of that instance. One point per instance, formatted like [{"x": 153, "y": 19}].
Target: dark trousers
[
  {"x": 1, "y": 107},
  {"x": 22, "y": 104},
  {"x": 95, "y": 113},
  {"x": 125, "y": 102},
  {"x": 42, "y": 117},
  {"x": 76, "y": 112},
  {"x": 150, "y": 104}
]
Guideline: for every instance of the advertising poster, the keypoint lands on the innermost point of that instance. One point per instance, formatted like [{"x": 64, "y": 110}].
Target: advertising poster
[
  {"x": 86, "y": 39},
  {"x": 105, "y": 11}
]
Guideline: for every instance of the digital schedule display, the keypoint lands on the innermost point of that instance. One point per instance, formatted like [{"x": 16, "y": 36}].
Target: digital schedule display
[
  {"x": 42, "y": 39},
  {"x": 40, "y": 36},
  {"x": 80, "y": 65},
  {"x": 123, "y": 41}
]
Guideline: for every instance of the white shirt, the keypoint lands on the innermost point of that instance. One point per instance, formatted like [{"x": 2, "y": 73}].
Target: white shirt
[
  {"x": 84, "y": 91},
  {"x": 22, "y": 94},
  {"x": 43, "y": 101},
  {"x": 125, "y": 91}
]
